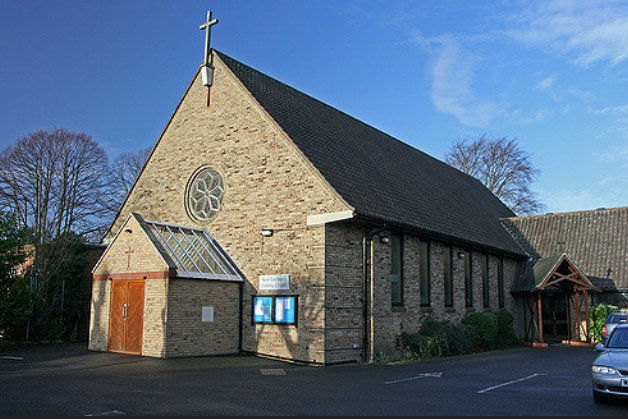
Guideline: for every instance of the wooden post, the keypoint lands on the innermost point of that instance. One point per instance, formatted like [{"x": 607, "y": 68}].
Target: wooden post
[
  {"x": 586, "y": 308},
  {"x": 540, "y": 310},
  {"x": 567, "y": 299},
  {"x": 525, "y": 318}
]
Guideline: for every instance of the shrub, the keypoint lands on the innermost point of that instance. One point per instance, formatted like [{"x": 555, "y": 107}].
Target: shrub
[
  {"x": 505, "y": 331},
  {"x": 597, "y": 316},
  {"x": 441, "y": 338},
  {"x": 485, "y": 324}
]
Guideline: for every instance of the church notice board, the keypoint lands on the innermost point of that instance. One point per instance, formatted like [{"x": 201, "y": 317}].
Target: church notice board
[{"x": 276, "y": 309}]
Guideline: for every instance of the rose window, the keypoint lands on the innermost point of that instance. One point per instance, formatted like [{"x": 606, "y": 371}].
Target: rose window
[{"x": 205, "y": 194}]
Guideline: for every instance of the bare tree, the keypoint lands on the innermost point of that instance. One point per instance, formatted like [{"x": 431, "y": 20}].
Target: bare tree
[
  {"x": 55, "y": 182},
  {"x": 502, "y": 166},
  {"x": 125, "y": 169}
]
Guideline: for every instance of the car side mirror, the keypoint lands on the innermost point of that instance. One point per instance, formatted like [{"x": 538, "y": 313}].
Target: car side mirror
[{"x": 599, "y": 347}]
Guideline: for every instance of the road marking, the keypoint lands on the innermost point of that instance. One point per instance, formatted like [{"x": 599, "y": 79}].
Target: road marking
[
  {"x": 529, "y": 377},
  {"x": 418, "y": 377},
  {"x": 110, "y": 413},
  {"x": 12, "y": 358},
  {"x": 274, "y": 371}
]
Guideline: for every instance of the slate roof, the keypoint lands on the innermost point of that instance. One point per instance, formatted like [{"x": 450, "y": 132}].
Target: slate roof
[
  {"x": 380, "y": 176},
  {"x": 596, "y": 241}
]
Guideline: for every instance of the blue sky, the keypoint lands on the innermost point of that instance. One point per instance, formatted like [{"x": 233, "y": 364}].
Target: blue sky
[{"x": 553, "y": 74}]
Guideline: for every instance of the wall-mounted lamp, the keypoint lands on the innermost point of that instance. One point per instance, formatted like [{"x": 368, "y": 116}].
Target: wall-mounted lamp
[
  {"x": 460, "y": 255},
  {"x": 384, "y": 239},
  {"x": 267, "y": 232}
]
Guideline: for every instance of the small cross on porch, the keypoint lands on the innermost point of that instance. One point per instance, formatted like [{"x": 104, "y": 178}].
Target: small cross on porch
[{"x": 129, "y": 253}]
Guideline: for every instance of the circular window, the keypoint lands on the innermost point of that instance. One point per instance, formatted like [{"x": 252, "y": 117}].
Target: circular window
[{"x": 205, "y": 194}]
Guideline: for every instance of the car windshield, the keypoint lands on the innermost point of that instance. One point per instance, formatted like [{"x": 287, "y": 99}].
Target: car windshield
[
  {"x": 616, "y": 318},
  {"x": 619, "y": 339}
]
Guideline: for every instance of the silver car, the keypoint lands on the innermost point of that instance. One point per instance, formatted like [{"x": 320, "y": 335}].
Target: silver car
[
  {"x": 611, "y": 322},
  {"x": 609, "y": 373}
]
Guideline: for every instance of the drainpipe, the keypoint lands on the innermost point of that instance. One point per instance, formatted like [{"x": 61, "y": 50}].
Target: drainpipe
[{"x": 366, "y": 300}]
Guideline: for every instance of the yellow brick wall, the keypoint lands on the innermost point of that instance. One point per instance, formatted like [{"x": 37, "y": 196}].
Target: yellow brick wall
[
  {"x": 99, "y": 316},
  {"x": 187, "y": 334},
  {"x": 268, "y": 184}
]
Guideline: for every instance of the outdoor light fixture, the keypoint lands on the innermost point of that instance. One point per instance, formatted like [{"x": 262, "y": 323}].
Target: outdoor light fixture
[
  {"x": 267, "y": 232},
  {"x": 460, "y": 255},
  {"x": 384, "y": 239}
]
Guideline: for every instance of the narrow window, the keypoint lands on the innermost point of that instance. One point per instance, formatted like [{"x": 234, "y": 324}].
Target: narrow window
[
  {"x": 449, "y": 277},
  {"x": 485, "y": 281},
  {"x": 396, "y": 278},
  {"x": 424, "y": 273},
  {"x": 468, "y": 279},
  {"x": 500, "y": 281}
]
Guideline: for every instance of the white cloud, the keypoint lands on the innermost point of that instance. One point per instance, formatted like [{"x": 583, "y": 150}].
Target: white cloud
[
  {"x": 583, "y": 199},
  {"x": 452, "y": 81},
  {"x": 586, "y": 32},
  {"x": 547, "y": 82},
  {"x": 613, "y": 110},
  {"x": 616, "y": 154}
]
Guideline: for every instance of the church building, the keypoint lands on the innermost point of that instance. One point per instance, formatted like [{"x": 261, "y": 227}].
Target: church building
[{"x": 268, "y": 222}]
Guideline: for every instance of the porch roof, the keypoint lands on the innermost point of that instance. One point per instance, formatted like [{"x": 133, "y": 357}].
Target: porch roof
[
  {"x": 544, "y": 273},
  {"x": 191, "y": 252}
]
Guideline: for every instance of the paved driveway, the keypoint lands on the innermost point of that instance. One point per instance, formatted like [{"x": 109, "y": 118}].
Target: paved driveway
[{"x": 66, "y": 379}]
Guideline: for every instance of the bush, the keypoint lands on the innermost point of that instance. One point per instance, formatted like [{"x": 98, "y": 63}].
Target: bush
[
  {"x": 505, "y": 330},
  {"x": 486, "y": 326},
  {"x": 436, "y": 339},
  {"x": 598, "y": 316}
]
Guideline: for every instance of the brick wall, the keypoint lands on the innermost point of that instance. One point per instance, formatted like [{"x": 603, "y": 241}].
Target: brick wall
[
  {"x": 268, "y": 185},
  {"x": 343, "y": 275},
  {"x": 187, "y": 334}
]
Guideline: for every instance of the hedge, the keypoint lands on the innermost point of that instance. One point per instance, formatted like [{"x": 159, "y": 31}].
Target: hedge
[{"x": 485, "y": 324}]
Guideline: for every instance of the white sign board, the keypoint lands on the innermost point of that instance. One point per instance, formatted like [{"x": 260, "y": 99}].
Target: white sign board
[
  {"x": 207, "y": 314},
  {"x": 274, "y": 282}
]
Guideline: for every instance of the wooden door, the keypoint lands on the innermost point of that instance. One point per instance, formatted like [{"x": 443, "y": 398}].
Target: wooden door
[
  {"x": 555, "y": 318},
  {"x": 126, "y": 317}
]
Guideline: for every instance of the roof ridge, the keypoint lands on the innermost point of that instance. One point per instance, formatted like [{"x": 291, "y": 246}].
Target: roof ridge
[{"x": 561, "y": 214}]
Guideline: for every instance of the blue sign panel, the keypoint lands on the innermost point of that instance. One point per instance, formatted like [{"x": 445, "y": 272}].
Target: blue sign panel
[
  {"x": 263, "y": 309},
  {"x": 285, "y": 309}
]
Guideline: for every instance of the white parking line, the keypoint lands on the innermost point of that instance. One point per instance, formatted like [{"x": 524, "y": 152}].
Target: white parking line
[
  {"x": 12, "y": 358},
  {"x": 418, "y": 377},
  {"x": 529, "y": 377}
]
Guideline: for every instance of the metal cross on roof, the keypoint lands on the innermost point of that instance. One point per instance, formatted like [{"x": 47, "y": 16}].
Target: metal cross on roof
[{"x": 207, "y": 26}]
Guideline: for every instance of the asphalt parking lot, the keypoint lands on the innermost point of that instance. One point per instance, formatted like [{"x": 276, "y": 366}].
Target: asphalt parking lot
[{"x": 68, "y": 380}]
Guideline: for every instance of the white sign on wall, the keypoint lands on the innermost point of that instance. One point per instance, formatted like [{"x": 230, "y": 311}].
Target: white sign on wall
[
  {"x": 274, "y": 282},
  {"x": 207, "y": 315}
]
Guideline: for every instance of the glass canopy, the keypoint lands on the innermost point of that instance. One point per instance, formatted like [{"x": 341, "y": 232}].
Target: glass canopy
[{"x": 195, "y": 252}]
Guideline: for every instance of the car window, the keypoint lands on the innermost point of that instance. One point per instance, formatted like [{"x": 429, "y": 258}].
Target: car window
[
  {"x": 616, "y": 318},
  {"x": 619, "y": 339}
]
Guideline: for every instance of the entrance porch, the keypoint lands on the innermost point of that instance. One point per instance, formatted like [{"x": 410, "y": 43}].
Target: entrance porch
[{"x": 556, "y": 299}]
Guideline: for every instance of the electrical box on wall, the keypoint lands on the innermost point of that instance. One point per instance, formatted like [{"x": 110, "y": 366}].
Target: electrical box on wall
[{"x": 207, "y": 315}]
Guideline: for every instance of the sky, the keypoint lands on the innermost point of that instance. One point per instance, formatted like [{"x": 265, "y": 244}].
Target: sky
[{"x": 552, "y": 74}]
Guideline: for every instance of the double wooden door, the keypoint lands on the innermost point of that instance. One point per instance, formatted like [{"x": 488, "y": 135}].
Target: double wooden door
[
  {"x": 126, "y": 316},
  {"x": 555, "y": 316}
]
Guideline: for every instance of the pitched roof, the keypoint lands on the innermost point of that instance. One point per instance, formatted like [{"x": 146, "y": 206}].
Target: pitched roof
[
  {"x": 379, "y": 176},
  {"x": 537, "y": 275},
  {"x": 596, "y": 241}
]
